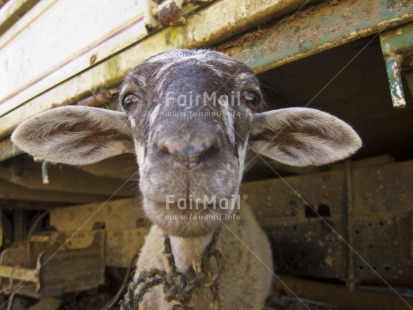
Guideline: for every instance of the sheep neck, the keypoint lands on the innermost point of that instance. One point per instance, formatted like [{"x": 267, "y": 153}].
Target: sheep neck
[{"x": 188, "y": 251}]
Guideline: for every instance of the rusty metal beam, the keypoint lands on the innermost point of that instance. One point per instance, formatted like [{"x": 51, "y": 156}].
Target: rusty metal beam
[
  {"x": 72, "y": 270},
  {"x": 57, "y": 270},
  {"x": 343, "y": 298},
  {"x": 307, "y": 245},
  {"x": 397, "y": 41},
  {"x": 317, "y": 29},
  {"x": 396, "y": 44}
]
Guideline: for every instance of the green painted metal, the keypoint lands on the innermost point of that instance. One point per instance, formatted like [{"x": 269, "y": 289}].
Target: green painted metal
[
  {"x": 395, "y": 81},
  {"x": 318, "y": 29},
  {"x": 398, "y": 41},
  {"x": 396, "y": 44}
]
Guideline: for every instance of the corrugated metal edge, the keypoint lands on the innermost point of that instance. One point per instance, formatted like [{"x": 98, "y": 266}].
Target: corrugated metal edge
[
  {"x": 198, "y": 32},
  {"x": 12, "y": 11}
]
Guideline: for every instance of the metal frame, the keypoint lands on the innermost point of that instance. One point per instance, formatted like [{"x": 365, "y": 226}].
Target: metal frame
[
  {"x": 370, "y": 207},
  {"x": 396, "y": 45},
  {"x": 197, "y": 32},
  {"x": 293, "y": 38}
]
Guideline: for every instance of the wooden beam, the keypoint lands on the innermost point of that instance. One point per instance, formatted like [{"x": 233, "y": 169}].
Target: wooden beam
[
  {"x": 63, "y": 178},
  {"x": 10, "y": 191}
]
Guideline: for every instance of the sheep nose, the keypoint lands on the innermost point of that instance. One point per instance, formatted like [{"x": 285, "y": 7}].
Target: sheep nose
[{"x": 190, "y": 154}]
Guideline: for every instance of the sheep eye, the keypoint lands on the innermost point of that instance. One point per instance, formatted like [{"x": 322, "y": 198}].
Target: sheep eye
[
  {"x": 129, "y": 100},
  {"x": 252, "y": 98}
]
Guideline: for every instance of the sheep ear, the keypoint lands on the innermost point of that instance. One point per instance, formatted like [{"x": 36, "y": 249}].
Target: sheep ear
[
  {"x": 75, "y": 135},
  {"x": 302, "y": 137}
]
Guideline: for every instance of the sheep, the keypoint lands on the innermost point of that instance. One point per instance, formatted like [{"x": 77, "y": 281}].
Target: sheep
[{"x": 191, "y": 117}]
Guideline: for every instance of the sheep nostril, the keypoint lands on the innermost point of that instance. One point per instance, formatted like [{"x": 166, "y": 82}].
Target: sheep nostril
[
  {"x": 163, "y": 148},
  {"x": 191, "y": 154}
]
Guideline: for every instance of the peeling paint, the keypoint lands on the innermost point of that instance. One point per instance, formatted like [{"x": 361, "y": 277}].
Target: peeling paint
[
  {"x": 396, "y": 45},
  {"x": 395, "y": 82},
  {"x": 315, "y": 30}
]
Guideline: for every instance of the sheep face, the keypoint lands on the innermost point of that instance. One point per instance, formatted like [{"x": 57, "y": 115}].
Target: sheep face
[
  {"x": 191, "y": 114},
  {"x": 190, "y": 117}
]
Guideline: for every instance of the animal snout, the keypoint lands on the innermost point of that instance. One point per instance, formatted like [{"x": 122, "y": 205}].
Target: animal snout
[{"x": 191, "y": 154}]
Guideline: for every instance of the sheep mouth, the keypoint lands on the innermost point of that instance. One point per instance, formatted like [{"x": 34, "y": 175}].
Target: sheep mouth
[{"x": 177, "y": 220}]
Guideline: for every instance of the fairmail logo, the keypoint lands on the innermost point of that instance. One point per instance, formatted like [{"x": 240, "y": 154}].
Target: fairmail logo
[{"x": 206, "y": 202}]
